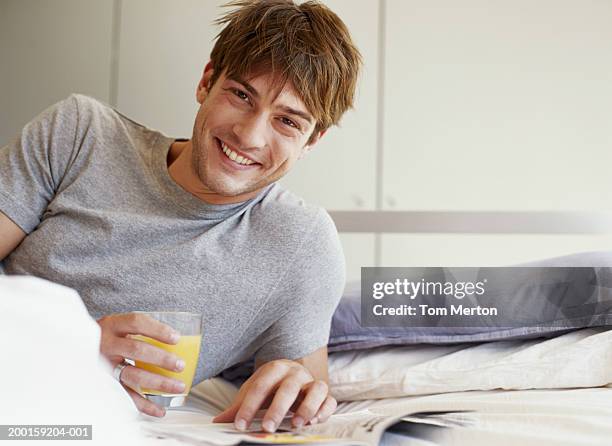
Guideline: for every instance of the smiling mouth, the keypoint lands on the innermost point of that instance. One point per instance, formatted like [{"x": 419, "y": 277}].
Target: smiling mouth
[{"x": 234, "y": 156}]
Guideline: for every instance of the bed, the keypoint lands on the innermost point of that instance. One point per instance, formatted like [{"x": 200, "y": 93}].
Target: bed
[
  {"x": 562, "y": 401},
  {"x": 528, "y": 390},
  {"x": 554, "y": 390},
  {"x": 542, "y": 390}
]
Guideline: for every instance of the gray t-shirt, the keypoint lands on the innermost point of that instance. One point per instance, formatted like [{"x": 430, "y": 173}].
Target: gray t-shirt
[{"x": 91, "y": 189}]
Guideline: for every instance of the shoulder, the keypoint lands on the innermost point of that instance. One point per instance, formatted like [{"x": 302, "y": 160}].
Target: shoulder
[
  {"x": 86, "y": 102},
  {"x": 316, "y": 270},
  {"x": 302, "y": 231},
  {"x": 78, "y": 112},
  {"x": 60, "y": 116},
  {"x": 86, "y": 106},
  {"x": 95, "y": 114},
  {"x": 292, "y": 215},
  {"x": 90, "y": 105}
]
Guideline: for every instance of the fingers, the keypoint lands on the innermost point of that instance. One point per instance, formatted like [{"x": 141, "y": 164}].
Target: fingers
[
  {"x": 144, "y": 405},
  {"x": 286, "y": 394},
  {"x": 288, "y": 386},
  {"x": 282, "y": 377},
  {"x": 327, "y": 410},
  {"x": 136, "y": 379},
  {"x": 316, "y": 395},
  {"x": 140, "y": 324},
  {"x": 228, "y": 415},
  {"x": 142, "y": 351},
  {"x": 255, "y": 395},
  {"x": 115, "y": 346}
]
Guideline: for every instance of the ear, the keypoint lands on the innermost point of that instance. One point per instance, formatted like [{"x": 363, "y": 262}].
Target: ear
[
  {"x": 204, "y": 85},
  {"x": 308, "y": 147}
]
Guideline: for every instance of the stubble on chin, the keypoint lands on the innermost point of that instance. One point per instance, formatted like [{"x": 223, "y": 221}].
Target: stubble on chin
[{"x": 197, "y": 162}]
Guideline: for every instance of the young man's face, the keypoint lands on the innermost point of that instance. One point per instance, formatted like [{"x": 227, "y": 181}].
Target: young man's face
[{"x": 248, "y": 133}]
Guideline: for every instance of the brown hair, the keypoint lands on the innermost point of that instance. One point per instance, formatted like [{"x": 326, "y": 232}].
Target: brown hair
[{"x": 306, "y": 44}]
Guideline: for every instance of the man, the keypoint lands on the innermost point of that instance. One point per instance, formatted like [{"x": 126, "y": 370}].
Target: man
[{"x": 135, "y": 220}]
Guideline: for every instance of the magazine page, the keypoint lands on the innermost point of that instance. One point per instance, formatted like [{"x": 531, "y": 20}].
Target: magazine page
[
  {"x": 189, "y": 424},
  {"x": 192, "y": 428},
  {"x": 362, "y": 427}
]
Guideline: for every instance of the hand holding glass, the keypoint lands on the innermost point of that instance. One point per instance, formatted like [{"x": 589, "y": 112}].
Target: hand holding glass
[{"x": 189, "y": 326}]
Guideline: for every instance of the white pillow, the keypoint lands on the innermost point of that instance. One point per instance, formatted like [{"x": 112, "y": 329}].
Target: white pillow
[
  {"x": 578, "y": 359},
  {"x": 52, "y": 372}
]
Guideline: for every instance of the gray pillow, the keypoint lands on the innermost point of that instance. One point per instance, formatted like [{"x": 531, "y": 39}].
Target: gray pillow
[{"x": 348, "y": 334}]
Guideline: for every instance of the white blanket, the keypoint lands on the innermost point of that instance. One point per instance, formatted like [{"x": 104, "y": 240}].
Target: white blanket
[
  {"x": 578, "y": 359},
  {"x": 52, "y": 374},
  {"x": 526, "y": 417},
  {"x": 51, "y": 371}
]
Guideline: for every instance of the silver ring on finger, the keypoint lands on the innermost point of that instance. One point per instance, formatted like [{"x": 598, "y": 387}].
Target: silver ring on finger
[{"x": 118, "y": 369}]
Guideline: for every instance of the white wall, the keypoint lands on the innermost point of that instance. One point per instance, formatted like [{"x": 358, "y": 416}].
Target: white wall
[
  {"x": 164, "y": 48},
  {"x": 463, "y": 105},
  {"x": 49, "y": 49},
  {"x": 498, "y": 105}
]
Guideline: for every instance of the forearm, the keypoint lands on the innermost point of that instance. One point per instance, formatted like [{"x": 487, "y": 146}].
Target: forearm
[
  {"x": 10, "y": 236},
  {"x": 317, "y": 364}
]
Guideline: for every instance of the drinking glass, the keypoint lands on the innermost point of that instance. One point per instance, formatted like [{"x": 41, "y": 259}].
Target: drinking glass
[{"x": 189, "y": 326}]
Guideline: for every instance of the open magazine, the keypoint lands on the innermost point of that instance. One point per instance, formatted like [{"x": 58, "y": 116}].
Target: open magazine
[{"x": 192, "y": 424}]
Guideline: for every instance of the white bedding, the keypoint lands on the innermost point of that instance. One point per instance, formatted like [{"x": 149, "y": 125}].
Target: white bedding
[
  {"x": 55, "y": 376},
  {"x": 578, "y": 359},
  {"x": 52, "y": 371},
  {"x": 546, "y": 417},
  {"x": 498, "y": 417},
  {"x": 524, "y": 417}
]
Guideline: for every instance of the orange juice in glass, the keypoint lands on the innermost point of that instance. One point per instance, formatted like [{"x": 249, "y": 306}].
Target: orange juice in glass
[{"x": 189, "y": 326}]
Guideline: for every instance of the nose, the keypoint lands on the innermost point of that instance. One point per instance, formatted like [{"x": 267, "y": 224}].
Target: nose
[{"x": 251, "y": 131}]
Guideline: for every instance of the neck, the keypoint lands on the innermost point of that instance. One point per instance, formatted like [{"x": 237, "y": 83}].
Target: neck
[{"x": 181, "y": 170}]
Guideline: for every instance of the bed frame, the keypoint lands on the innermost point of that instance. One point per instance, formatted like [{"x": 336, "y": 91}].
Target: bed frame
[{"x": 470, "y": 222}]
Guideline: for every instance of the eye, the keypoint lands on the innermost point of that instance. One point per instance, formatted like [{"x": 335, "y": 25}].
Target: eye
[
  {"x": 289, "y": 122},
  {"x": 241, "y": 94}
]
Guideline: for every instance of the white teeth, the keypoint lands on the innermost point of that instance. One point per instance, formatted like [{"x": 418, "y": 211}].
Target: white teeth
[{"x": 234, "y": 156}]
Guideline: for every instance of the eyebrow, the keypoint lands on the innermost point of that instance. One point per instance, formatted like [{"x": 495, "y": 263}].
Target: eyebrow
[
  {"x": 299, "y": 113},
  {"x": 248, "y": 86},
  {"x": 286, "y": 109}
]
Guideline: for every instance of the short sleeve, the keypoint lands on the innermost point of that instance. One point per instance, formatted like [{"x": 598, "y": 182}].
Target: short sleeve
[
  {"x": 312, "y": 287},
  {"x": 33, "y": 165}
]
